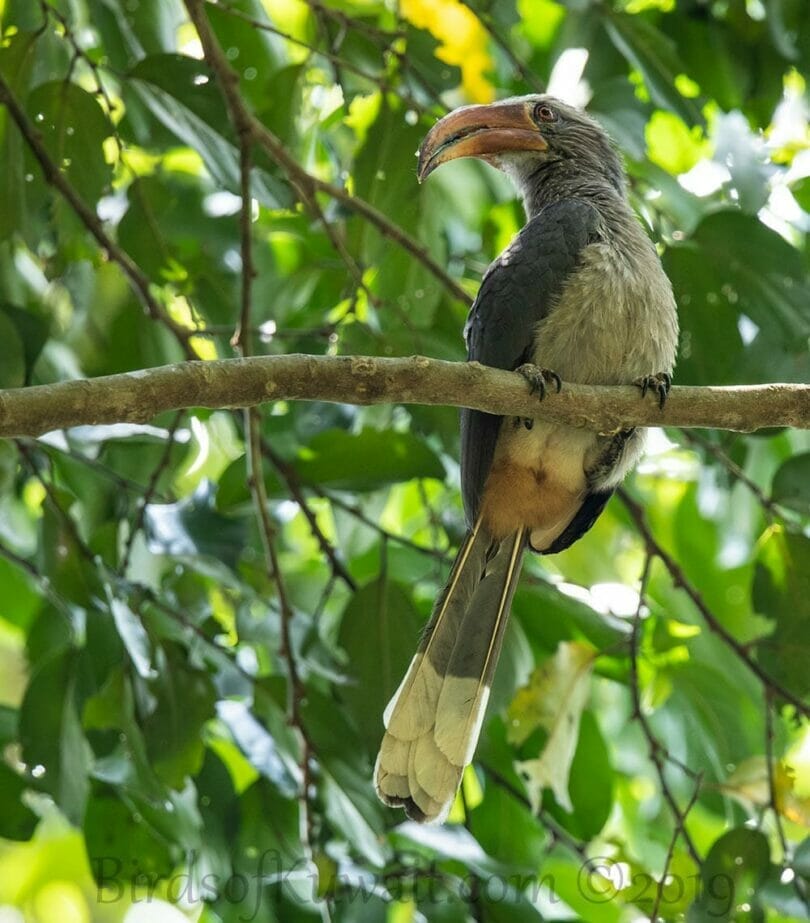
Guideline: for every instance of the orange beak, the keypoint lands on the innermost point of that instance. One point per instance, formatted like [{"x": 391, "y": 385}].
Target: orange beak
[{"x": 479, "y": 131}]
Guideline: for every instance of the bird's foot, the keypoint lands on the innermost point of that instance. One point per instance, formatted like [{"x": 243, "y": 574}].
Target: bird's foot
[
  {"x": 540, "y": 380},
  {"x": 659, "y": 383}
]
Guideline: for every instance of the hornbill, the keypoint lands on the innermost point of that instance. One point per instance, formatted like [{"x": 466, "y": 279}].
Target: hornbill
[{"x": 579, "y": 295}]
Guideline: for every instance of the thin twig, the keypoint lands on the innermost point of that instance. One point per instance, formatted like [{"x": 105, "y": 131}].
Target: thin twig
[
  {"x": 354, "y": 510},
  {"x": 305, "y": 184},
  {"x": 557, "y": 832},
  {"x": 519, "y": 67},
  {"x": 378, "y": 80},
  {"x": 56, "y": 178},
  {"x": 769, "y": 506},
  {"x": 678, "y": 831},
  {"x": 294, "y": 485},
  {"x": 242, "y": 340},
  {"x": 679, "y": 579},
  {"x": 146, "y": 498},
  {"x": 799, "y": 885},
  {"x": 654, "y": 746},
  {"x": 351, "y": 23}
]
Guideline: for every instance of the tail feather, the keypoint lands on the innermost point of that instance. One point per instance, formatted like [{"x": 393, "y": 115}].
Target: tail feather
[{"x": 435, "y": 717}]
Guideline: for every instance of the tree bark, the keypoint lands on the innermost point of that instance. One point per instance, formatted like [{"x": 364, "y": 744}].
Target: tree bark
[{"x": 139, "y": 396}]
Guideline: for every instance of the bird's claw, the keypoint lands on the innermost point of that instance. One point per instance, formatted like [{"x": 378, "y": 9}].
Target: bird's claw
[
  {"x": 539, "y": 379},
  {"x": 660, "y": 383}
]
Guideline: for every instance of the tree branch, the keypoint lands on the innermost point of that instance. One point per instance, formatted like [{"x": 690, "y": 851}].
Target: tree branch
[
  {"x": 54, "y": 177},
  {"x": 306, "y": 184},
  {"x": 136, "y": 397}
]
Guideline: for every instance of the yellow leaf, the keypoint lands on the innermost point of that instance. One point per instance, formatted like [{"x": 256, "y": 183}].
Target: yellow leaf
[
  {"x": 672, "y": 144},
  {"x": 553, "y": 699},
  {"x": 749, "y": 784},
  {"x": 463, "y": 41}
]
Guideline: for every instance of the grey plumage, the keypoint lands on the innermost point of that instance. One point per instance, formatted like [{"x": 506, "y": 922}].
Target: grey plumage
[{"x": 580, "y": 291}]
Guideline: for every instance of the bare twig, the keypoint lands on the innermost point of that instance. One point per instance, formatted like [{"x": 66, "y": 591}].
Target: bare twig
[
  {"x": 441, "y": 556},
  {"x": 712, "y": 622},
  {"x": 293, "y": 482},
  {"x": 557, "y": 832},
  {"x": 146, "y": 498},
  {"x": 655, "y": 749},
  {"x": 518, "y": 66},
  {"x": 351, "y": 23},
  {"x": 56, "y": 178},
  {"x": 242, "y": 340},
  {"x": 771, "y": 509},
  {"x": 378, "y": 80},
  {"x": 305, "y": 184},
  {"x": 678, "y": 831}
]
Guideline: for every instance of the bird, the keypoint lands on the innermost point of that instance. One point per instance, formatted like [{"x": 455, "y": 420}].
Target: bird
[{"x": 579, "y": 295}]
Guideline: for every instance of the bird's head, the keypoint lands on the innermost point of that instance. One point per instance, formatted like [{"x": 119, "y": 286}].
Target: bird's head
[{"x": 521, "y": 136}]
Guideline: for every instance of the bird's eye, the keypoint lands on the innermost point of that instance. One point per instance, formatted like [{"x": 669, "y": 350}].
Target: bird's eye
[{"x": 543, "y": 113}]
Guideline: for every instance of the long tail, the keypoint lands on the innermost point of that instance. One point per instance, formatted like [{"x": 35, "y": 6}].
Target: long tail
[{"x": 434, "y": 719}]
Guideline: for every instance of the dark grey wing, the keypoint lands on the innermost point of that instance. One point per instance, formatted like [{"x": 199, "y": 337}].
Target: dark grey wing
[
  {"x": 518, "y": 290},
  {"x": 586, "y": 516}
]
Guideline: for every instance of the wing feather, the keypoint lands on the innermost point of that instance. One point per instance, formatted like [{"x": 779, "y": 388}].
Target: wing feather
[{"x": 519, "y": 289}]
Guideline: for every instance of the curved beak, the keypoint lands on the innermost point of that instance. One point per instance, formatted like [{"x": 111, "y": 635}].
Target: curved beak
[{"x": 479, "y": 131}]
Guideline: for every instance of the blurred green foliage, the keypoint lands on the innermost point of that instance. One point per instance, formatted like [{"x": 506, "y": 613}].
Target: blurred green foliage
[{"x": 153, "y": 764}]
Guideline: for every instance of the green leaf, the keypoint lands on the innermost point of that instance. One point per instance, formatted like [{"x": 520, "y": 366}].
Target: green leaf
[
  {"x": 791, "y": 483},
  {"x": 120, "y": 846},
  {"x": 367, "y": 460},
  {"x": 17, "y": 820},
  {"x": 379, "y": 631},
  {"x": 183, "y": 702},
  {"x": 345, "y": 817},
  {"x": 12, "y": 354},
  {"x": 734, "y": 266},
  {"x": 507, "y": 829},
  {"x": 590, "y": 783},
  {"x": 385, "y": 176},
  {"x": 52, "y": 737},
  {"x": 671, "y": 144},
  {"x": 782, "y": 592},
  {"x": 32, "y": 329},
  {"x": 187, "y": 246},
  {"x": 734, "y": 870},
  {"x": 654, "y": 55},
  {"x": 194, "y": 527},
  {"x": 451, "y": 843},
  {"x": 801, "y": 192},
  {"x": 744, "y": 154},
  {"x": 180, "y": 92},
  {"x": 259, "y": 747},
  {"x": 73, "y": 127},
  {"x": 255, "y": 54},
  {"x": 132, "y": 633}
]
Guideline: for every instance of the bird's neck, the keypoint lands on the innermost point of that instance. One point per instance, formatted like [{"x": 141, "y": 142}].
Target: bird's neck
[{"x": 553, "y": 181}]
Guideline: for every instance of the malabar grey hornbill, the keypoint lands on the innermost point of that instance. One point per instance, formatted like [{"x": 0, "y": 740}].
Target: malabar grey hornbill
[{"x": 579, "y": 295}]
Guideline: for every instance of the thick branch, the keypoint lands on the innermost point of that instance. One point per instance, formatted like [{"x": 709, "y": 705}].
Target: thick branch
[{"x": 139, "y": 396}]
